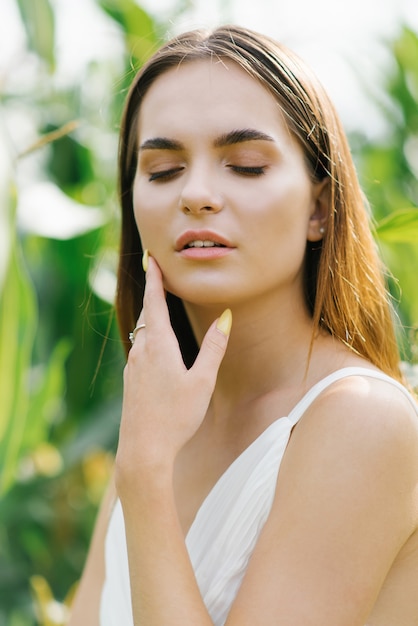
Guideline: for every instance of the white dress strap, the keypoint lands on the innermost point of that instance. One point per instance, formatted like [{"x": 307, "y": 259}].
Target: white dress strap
[{"x": 298, "y": 411}]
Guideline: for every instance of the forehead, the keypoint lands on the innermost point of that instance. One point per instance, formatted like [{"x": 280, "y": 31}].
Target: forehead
[{"x": 208, "y": 95}]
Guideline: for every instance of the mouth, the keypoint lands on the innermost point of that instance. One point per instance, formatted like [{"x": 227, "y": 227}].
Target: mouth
[
  {"x": 206, "y": 243},
  {"x": 201, "y": 239}
]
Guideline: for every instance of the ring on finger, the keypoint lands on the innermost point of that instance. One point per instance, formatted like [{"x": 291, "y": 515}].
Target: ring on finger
[{"x": 132, "y": 334}]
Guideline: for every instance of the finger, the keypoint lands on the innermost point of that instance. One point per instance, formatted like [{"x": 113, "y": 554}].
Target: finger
[
  {"x": 141, "y": 319},
  {"x": 139, "y": 323},
  {"x": 213, "y": 349},
  {"x": 155, "y": 309},
  {"x": 155, "y": 306}
]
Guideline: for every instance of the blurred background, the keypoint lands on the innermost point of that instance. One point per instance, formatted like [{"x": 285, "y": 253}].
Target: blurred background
[{"x": 64, "y": 71}]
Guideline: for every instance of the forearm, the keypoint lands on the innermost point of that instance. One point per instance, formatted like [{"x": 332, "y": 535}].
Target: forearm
[
  {"x": 85, "y": 609},
  {"x": 155, "y": 426},
  {"x": 163, "y": 585}
]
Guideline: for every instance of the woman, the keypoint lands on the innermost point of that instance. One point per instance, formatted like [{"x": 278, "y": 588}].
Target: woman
[{"x": 267, "y": 472}]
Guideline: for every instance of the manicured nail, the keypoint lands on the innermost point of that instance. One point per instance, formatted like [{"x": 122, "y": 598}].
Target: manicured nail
[
  {"x": 224, "y": 323},
  {"x": 145, "y": 260}
]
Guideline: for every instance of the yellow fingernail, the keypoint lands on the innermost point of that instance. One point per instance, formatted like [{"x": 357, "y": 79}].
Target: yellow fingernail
[
  {"x": 145, "y": 260},
  {"x": 224, "y": 323}
]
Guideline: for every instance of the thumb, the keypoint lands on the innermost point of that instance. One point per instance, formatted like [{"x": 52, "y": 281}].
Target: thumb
[{"x": 213, "y": 347}]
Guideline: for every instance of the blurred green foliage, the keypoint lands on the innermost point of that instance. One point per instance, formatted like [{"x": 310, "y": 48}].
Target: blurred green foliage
[
  {"x": 389, "y": 175},
  {"x": 60, "y": 356}
]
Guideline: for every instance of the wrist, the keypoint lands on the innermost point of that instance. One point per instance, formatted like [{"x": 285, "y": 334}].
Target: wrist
[
  {"x": 146, "y": 503},
  {"x": 144, "y": 478}
]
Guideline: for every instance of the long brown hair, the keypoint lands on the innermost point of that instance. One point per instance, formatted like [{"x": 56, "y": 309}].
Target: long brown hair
[{"x": 344, "y": 280}]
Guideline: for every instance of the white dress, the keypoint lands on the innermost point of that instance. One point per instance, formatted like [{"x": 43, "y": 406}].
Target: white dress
[{"x": 226, "y": 528}]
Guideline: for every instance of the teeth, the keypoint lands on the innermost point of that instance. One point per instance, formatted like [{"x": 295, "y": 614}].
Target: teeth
[{"x": 203, "y": 244}]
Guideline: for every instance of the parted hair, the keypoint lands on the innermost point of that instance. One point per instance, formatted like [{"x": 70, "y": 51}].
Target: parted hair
[{"x": 344, "y": 277}]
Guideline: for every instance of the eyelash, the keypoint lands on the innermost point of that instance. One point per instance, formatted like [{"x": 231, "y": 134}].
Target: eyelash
[
  {"x": 164, "y": 175},
  {"x": 248, "y": 171},
  {"x": 237, "y": 169}
]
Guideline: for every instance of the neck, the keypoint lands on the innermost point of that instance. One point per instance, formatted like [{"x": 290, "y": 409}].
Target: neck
[{"x": 268, "y": 348}]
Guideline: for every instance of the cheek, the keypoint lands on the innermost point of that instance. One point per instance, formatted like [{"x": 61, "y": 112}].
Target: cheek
[
  {"x": 147, "y": 214},
  {"x": 283, "y": 206}
]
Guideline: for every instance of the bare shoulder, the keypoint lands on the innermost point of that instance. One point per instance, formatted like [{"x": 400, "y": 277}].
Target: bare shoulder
[
  {"x": 345, "y": 509},
  {"x": 361, "y": 421},
  {"x": 362, "y": 413},
  {"x": 383, "y": 396}
]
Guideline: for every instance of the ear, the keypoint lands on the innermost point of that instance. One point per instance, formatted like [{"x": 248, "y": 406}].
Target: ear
[{"x": 320, "y": 210}]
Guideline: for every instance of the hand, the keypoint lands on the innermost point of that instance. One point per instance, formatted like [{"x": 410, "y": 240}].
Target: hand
[{"x": 163, "y": 403}]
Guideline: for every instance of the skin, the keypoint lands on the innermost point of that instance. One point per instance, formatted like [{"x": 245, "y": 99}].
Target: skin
[{"x": 340, "y": 545}]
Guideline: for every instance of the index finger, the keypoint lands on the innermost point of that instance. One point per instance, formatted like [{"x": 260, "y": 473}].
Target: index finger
[{"x": 155, "y": 310}]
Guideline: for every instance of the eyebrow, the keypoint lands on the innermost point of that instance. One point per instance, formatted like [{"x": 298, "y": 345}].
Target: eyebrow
[
  {"x": 226, "y": 139},
  {"x": 240, "y": 136},
  {"x": 161, "y": 143}
]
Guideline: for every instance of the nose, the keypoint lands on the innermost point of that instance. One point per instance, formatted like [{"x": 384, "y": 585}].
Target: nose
[{"x": 200, "y": 193}]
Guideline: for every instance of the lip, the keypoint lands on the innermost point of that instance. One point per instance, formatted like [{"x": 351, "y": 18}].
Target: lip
[
  {"x": 202, "y": 235},
  {"x": 203, "y": 254}
]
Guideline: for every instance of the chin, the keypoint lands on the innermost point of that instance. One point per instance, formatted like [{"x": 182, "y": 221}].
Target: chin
[
  {"x": 201, "y": 292},
  {"x": 204, "y": 300}
]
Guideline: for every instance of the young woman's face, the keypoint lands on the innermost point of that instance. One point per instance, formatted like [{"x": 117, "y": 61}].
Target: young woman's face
[{"x": 222, "y": 196}]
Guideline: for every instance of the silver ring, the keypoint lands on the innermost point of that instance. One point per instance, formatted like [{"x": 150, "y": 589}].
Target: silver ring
[{"x": 132, "y": 335}]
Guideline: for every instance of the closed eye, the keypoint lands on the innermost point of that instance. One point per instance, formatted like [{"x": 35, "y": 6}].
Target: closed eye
[
  {"x": 248, "y": 171},
  {"x": 164, "y": 175}
]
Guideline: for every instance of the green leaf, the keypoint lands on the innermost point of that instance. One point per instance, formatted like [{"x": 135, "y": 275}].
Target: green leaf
[
  {"x": 138, "y": 25},
  {"x": 18, "y": 322},
  {"x": 399, "y": 227},
  {"x": 38, "y": 20},
  {"x": 46, "y": 399},
  {"x": 134, "y": 19}
]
